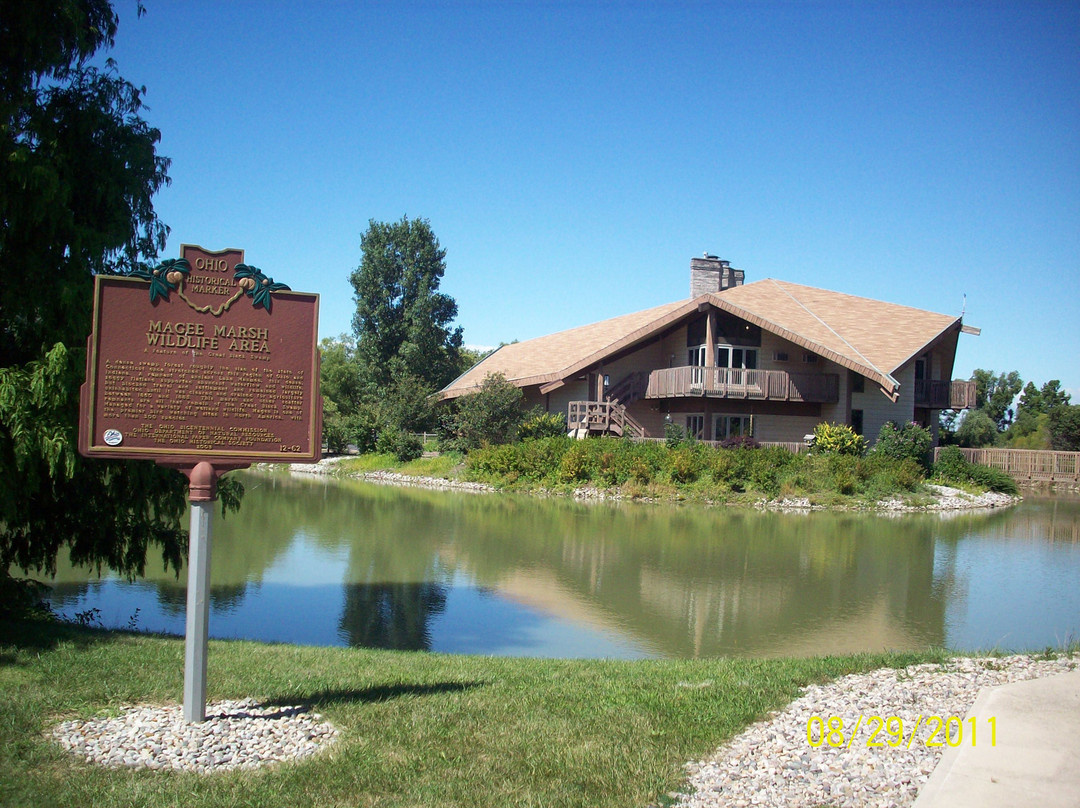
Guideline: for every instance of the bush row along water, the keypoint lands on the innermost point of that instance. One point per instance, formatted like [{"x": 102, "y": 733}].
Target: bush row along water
[{"x": 641, "y": 469}]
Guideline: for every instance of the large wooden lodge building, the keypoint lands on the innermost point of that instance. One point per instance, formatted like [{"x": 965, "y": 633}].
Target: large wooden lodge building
[{"x": 768, "y": 359}]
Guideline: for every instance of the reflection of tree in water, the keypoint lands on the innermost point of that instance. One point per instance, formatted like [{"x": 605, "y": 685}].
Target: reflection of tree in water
[
  {"x": 393, "y": 616},
  {"x": 395, "y": 583},
  {"x": 173, "y": 599}
]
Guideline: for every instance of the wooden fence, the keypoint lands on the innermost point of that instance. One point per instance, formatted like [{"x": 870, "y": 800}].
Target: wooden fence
[{"x": 1028, "y": 465}]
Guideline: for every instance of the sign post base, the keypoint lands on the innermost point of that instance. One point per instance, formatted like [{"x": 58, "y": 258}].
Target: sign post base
[
  {"x": 202, "y": 492},
  {"x": 198, "y": 613}
]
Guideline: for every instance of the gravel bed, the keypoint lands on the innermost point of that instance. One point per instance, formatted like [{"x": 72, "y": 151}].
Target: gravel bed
[
  {"x": 235, "y": 735},
  {"x": 773, "y": 762},
  {"x": 434, "y": 483}
]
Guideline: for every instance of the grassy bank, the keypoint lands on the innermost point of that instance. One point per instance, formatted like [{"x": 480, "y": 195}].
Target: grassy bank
[
  {"x": 694, "y": 471},
  {"x": 416, "y": 729}
]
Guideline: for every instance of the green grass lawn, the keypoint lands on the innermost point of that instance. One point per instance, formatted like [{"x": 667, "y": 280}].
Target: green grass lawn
[{"x": 417, "y": 729}]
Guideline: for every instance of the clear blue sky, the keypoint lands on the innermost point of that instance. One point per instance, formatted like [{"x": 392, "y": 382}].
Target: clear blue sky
[{"x": 572, "y": 158}]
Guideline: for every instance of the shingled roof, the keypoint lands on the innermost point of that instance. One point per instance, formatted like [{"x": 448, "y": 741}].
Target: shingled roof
[{"x": 868, "y": 336}]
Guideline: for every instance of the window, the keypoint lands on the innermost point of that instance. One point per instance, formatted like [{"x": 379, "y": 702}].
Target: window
[
  {"x": 858, "y": 382},
  {"x": 780, "y": 356},
  {"x": 728, "y": 356},
  {"x": 857, "y": 420},
  {"x": 695, "y": 332},
  {"x": 730, "y": 426},
  {"x": 809, "y": 358},
  {"x": 695, "y": 426}
]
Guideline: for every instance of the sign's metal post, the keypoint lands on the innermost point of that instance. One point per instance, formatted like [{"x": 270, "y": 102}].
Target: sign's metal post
[
  {"x": 202, "y": 494},
  {"x": 198, "y": 614}
]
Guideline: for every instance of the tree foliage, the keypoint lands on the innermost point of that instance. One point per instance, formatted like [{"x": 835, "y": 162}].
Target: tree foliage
[
  {"x": 405, "y": 347},
  {"x": 1031, "y": 427},
  {"x": 994, "y": 395},
  {"x": 78, "y": 170},
  {"x": 1065, "y": 428},
  {"x": 491, "y": 415},
  {"x": 403, "y": 323},
  {"x": 909, "y": 441},
  {"x": 977, "y": 430}
]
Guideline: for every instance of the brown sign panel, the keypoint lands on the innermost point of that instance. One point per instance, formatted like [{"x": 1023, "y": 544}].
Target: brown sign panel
[{"x": 202, "y": 359}]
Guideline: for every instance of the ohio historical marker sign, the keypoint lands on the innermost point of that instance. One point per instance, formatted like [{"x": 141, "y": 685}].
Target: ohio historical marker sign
[
  {"x": 205, "y": 364},
  {"x": 203, "y": 359}
]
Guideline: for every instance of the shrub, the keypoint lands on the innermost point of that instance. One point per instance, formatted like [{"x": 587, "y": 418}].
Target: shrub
[
  {"x": 884, "y": 474},
  {"x": 401, "y": 444},
  {"x": 951, "y": 464},
  {"x": 495, "y": 462},
  {"x": 674, "y": 435},
  {"x": 994, "y": 479},
  {"x": 574, "y": 465},
  {"x": 837, "y": 439},
  {"x": 539, "y": 424},
  {"x": 756, "y": 469},
  {"x": 977, "y": 430},
  {"x": 910, "y": 441},
  {"x": 684, "y": 465},
  {"x": 539, "y": 458},
  {"x": 490, "y": 415},
  {"x": 722, "y": 467},
  {"x": 739, "y": 442},
  {"x": 953, "y": 467}
]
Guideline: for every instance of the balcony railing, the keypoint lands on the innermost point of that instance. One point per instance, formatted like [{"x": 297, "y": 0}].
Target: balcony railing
[
  {"x": 941, "y": 394},
  {"x": 759, "y": 385}
]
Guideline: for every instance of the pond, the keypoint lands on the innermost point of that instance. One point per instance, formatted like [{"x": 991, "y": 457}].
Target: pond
[{"x": 318, "y": 562}]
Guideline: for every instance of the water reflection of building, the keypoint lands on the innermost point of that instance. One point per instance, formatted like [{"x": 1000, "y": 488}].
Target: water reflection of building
[
  {"x": 675, "y": 581},
  {"x": 822, "y": 585}
]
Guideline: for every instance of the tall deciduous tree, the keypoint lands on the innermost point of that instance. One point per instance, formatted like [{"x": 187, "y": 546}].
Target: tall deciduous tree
[
  {"x": 1029, "y": 430},
  {"x": 78, "y": 170},
  {"x": 994, "y": 395},
  {"x": 403, "y": 323}
]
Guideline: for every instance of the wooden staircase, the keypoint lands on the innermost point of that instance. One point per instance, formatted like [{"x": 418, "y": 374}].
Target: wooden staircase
[
  {"x": 602, "y": 418},
  {"x": 630, "y": 389}
]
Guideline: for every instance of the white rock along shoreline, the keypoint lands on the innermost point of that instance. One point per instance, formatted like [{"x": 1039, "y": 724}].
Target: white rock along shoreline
[{"x": 945, "y": 498}]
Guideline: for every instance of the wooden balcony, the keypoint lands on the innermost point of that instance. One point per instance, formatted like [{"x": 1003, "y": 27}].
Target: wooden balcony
[
  {"x": 755, "y": 385},
  {"x": 937, "y": 394}
]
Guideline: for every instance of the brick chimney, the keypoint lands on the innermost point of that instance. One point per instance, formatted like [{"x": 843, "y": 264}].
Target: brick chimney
[{"x": 711, "y": 274}]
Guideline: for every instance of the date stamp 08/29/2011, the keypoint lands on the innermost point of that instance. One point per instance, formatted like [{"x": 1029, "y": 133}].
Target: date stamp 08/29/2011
[{"x": 892, "y": 733}]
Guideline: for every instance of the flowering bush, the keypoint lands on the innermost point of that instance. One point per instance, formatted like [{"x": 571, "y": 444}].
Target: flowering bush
[{"x": 837, "y": 439}]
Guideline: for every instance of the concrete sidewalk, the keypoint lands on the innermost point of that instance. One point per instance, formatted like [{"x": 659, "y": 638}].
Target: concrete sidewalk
[{"x": 1036, "y": 760}]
